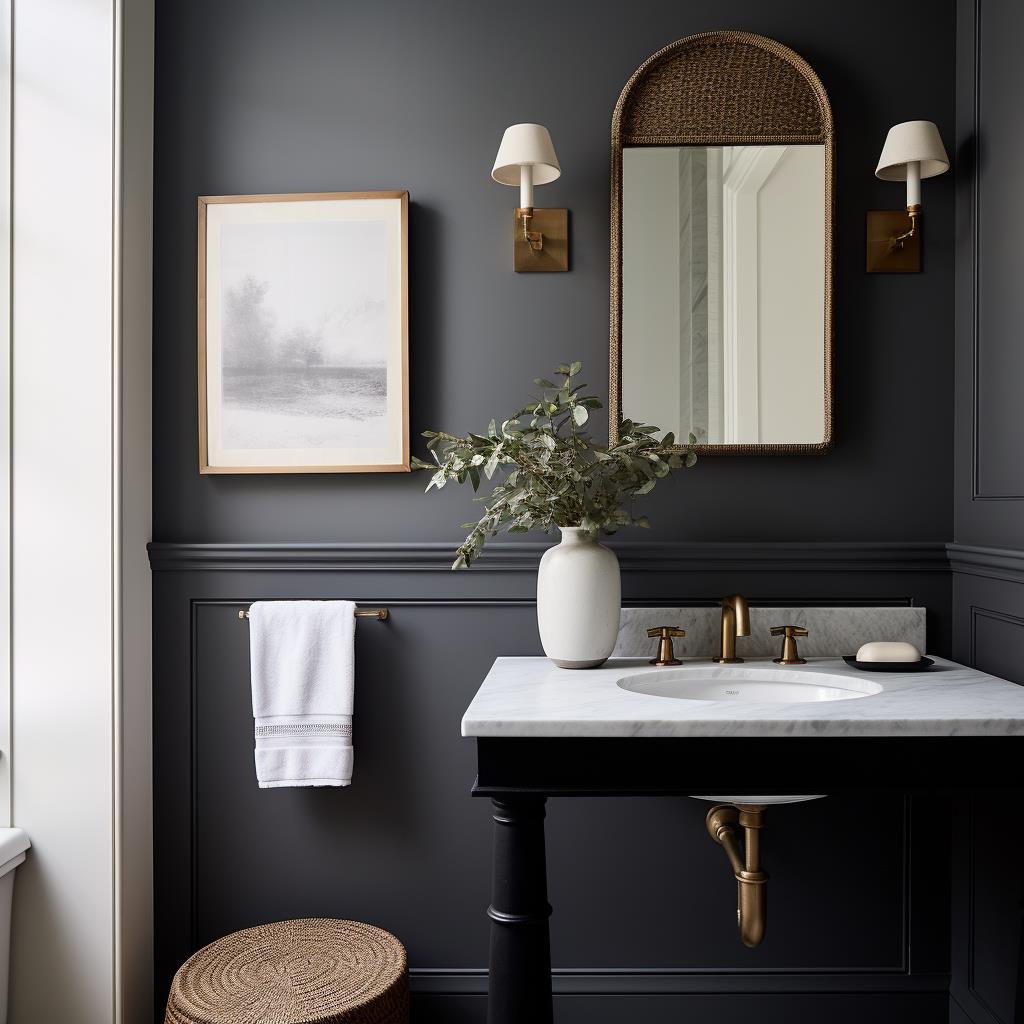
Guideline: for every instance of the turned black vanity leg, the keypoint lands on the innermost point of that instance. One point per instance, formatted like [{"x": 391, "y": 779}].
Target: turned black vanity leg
[{"x": 519, "y": 985}]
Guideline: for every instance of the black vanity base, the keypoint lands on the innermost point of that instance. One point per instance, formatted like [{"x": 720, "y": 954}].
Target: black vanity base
[
  {"x": 520, "y": 959},
  {"x": 520, "y": 774}
]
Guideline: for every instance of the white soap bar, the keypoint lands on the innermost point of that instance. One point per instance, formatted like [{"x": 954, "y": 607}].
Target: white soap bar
[{"x": 891, "y": 650}]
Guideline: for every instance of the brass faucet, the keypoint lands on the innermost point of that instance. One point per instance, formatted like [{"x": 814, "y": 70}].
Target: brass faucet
[{"x": 735, "y": 622}]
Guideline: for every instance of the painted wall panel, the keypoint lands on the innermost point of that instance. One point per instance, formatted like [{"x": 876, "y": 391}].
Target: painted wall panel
[
  {"x": 999, "y": 358},
  {"x": 988, "y": 586},
  {"x": 408, "y": 848},
  {"x": 398, "y": 94}
]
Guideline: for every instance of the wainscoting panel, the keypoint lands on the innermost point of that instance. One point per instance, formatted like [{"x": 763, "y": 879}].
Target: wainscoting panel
[
  {"x": 998, "y": 364},
  {"x": 988, "y": 605},
  {"x": 988, "y": 921},
  {"x": 989, "y": 473},
  {"x": 406, "y": 846},
  {"x": 987, "y": 557}
]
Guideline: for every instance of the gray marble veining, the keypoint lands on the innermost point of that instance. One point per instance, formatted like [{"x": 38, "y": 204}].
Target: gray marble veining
[
  {"x": 532, "y": 697},
  {"x": 833, "y": 632}
]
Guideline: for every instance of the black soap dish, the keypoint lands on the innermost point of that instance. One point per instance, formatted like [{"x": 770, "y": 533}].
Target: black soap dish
[{"x": 889, "y": 666}]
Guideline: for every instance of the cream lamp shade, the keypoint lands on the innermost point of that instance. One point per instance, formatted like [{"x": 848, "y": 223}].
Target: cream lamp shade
[
  {"x": 912, "y": 142},
  {"x": 526, "y": 157},
  {"x": 913, "y": 150}
]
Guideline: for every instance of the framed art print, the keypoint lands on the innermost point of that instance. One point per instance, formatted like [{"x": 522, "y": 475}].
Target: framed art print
[{"x": 303, "y": 333}]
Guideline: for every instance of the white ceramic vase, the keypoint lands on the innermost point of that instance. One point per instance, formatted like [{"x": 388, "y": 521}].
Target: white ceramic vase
[{"x": 578, "y": 598}]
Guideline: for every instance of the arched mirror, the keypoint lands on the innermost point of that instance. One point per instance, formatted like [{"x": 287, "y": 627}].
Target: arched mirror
[{"x": 721, "y": 260}]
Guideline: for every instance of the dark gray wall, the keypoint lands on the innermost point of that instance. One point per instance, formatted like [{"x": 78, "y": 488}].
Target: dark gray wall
[
  {"x": 267, "y": 96},
  {"x": 988, "y": 553},
  {"x": 644, "y": 918},
  {"x": 317, "y": 95},
  {"x": 988, "y": 549}
]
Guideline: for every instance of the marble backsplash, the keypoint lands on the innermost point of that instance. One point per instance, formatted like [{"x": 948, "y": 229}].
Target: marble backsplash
[{"x": 833, "y": 632}]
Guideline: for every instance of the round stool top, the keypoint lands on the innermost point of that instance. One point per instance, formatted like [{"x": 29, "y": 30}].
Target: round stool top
[{"x": 311, "y": 971}]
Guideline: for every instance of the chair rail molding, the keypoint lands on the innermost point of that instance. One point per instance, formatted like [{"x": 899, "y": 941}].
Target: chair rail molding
[{"x": 508, "y": 556}]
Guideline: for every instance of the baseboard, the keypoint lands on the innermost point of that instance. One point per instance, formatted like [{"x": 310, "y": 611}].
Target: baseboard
[
  {"x": 697, "y": 1008},
  {"x": 634, "y": 982}
]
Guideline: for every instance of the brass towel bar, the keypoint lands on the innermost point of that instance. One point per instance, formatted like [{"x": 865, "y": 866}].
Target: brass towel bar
[{"x": 380, "y": 614}]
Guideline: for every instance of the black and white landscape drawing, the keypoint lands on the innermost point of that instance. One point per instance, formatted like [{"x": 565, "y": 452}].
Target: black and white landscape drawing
[{"x": 305, "y": 334}]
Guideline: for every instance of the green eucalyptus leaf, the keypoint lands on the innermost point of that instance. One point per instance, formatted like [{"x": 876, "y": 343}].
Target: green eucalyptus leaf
[{"x": 557, "y": 474}]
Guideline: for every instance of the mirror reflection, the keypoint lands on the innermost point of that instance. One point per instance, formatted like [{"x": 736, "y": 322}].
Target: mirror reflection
[{"x": 723, "y": 291}]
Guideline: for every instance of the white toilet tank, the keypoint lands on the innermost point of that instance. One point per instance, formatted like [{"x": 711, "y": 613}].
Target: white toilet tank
[{"x": 13, "y": 844}]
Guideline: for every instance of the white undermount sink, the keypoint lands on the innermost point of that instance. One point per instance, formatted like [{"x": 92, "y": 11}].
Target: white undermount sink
[
  {"x": 748, "y": 685},
  {"x": 753, "y": 686}
]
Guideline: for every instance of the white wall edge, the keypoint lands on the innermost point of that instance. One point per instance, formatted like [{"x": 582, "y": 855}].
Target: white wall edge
[
  {"x": 6, "y": 242},
  {"x": 78, "y": 177}
]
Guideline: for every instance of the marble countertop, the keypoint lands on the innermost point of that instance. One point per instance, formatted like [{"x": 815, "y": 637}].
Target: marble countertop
[{"x": 533, "y": 697}]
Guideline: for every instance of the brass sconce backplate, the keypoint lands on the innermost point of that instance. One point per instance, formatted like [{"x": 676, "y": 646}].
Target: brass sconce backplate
[
  {"x": 553, "y": 227},
  {"x": 883, "y": 226}
]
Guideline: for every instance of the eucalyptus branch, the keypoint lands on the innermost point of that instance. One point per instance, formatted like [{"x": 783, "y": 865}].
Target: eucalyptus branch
[{"x": 552, "y": 474}]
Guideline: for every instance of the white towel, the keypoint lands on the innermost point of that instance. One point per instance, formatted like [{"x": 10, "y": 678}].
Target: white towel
[{"x": 302, "y": 658}]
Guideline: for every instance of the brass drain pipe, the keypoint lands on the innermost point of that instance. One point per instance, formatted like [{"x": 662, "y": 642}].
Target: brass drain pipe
[{"x": 725, "y": 822}]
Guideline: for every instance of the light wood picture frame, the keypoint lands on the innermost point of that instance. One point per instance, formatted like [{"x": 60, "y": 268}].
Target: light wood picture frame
[{"x": 304, "y": 333}]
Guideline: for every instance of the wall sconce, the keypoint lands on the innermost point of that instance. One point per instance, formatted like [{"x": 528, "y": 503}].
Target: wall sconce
[
  {"x": 526, "y": 157},
  {"x": 913, "y": 150}
]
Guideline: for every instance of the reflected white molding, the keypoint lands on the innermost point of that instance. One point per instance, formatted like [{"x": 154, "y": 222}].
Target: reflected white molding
[{"x": 746, "y": 169}]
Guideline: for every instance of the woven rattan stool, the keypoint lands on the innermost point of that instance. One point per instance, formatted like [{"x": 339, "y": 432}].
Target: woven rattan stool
[{"x": 311, "y": 971}]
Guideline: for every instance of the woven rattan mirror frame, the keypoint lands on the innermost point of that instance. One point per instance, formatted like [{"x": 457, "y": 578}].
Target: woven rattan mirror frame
[{"x": 720, "y": 89}]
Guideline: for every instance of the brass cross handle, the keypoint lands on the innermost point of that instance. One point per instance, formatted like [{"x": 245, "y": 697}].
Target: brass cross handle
[
  {"x": 790, "y": 655},
  {"x": 666, "y": 656}
]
